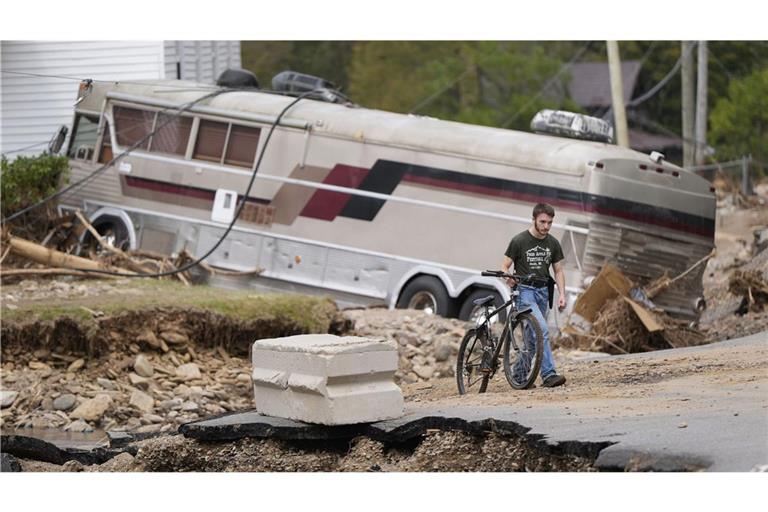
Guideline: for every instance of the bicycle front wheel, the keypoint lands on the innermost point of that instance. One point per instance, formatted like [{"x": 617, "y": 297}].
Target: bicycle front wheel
[
  {"x": 468, "y": 374},
  {"x": 523, "y": 351}
]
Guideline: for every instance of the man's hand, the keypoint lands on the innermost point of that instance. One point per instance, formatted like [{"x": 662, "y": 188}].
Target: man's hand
[
  {"x": 561, "y": 302},
  {"x": 506, "y": 264}
]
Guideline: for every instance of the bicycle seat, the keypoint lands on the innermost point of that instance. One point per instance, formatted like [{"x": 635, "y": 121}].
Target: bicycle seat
[{"x": 484, "y": 301}]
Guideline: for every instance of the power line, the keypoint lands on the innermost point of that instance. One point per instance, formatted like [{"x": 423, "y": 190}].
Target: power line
[
  {"x": 107, "y": 165},
  {"x": 25, "y": 148},
  {"x": 239, "y": 210},
  {"x": 656, "y": 88},
  {"x": 435, "y": 95},
  {"x": 138, "y": 143},
  {"x": 96, "y": 80},
  {"x": 562, "y": 69}
]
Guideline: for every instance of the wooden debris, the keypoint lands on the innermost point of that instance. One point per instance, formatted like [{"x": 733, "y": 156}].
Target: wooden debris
[
  {"x": 608, "y": 284},
  {"x": 621, "y": 325},
  {"x": 50, "y": 257},
  {"x": 645, "y": 316},
  {"x": 752, "y": 287},
  {"x": 54, "y": 256},
  {"x": 662, "y": 284},
  {"x": 5, "y": 253}
]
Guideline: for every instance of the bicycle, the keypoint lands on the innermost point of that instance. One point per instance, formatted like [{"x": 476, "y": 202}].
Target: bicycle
[{"x": 521, "y": 340}]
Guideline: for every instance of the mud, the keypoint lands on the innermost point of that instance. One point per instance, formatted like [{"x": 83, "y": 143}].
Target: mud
[{"x": 95, "y": 337}]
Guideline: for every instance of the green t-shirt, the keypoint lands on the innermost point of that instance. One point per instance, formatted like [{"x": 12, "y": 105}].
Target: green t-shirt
[{"x": 531, "y": 255}]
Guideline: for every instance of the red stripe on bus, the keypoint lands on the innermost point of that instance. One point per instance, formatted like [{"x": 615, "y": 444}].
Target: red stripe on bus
[
  {"x": 169, "y": 188},
  {"x": 180, "y": 190},
  {"x": 326, "y": 204}
]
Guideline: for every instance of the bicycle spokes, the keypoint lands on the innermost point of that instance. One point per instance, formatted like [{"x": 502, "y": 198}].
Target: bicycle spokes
[
  {"x": 522, "y": 358},
  {"x": 469, "y": 370}
]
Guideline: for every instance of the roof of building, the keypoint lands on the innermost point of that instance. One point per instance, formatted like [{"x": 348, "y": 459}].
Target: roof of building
[
  {"x": 590, "y": 84},
  {"x": 647, "y": 142}
]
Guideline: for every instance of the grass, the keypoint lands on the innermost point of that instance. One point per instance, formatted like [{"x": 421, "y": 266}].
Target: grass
[{"x": 310, "y": 312}]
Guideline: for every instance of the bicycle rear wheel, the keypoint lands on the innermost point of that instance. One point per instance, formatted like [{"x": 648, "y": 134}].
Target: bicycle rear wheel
[
  {"x": 523, "y": 351},
  {"x": 468, "y": 374}
]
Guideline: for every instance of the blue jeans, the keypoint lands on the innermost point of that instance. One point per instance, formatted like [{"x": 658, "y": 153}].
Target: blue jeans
[{"x": 538, "y": 300}]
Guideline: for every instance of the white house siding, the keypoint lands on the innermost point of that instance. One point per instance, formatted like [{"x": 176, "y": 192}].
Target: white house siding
[
  {"x": 32, "y": 107},
  {"x": 201, "y": 61}
]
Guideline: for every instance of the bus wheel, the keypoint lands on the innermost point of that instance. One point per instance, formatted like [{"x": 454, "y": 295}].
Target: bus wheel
[
  {"x": 426, "y": 293},
  {"x": 112, "y": 231},
  {"x": 469, "y": 312}
]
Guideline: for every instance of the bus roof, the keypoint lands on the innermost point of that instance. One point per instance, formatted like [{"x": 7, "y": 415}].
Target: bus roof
[{"x": 372, "y": 126}]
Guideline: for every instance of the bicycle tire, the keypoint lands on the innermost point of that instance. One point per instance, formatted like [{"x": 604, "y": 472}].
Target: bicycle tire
[
  {"x": 468, "y": 364},
  {"x": 523, "y": 360}
]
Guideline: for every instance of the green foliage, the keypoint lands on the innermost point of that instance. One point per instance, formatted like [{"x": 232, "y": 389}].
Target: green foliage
[
  {"x": 481, "y": 82},
  {"x": 27, "y": 180},
  {"x": 498, "y": 83},
  {"x": 325, "y": 59},
  {"x": 739, "y": 121}
]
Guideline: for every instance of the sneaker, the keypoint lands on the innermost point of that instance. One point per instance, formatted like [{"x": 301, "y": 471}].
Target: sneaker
[{"x": 553, "y": 381}]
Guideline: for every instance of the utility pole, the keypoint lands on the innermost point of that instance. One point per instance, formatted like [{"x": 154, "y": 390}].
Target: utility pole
[
  {"x": 688, "y": 92},
  {"x": 617, "y": 94},
  {"x": 701, "y": 103}
]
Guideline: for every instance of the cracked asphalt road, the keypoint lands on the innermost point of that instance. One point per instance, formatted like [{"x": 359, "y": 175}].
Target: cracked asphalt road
[{"x": 689, "y": 409}]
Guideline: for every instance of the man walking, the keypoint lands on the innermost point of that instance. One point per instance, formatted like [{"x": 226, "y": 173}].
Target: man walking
[{"x": 531, "y": 253}]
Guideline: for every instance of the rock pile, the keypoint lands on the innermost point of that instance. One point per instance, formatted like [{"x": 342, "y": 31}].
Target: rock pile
[
  {"x": 141, "y": 392},
  {"x": 143, "y": 389},
  {"x": 427, "y": 345}
]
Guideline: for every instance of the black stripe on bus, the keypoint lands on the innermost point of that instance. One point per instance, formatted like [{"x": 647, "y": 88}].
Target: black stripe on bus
[{"x": 386, "y": 175}]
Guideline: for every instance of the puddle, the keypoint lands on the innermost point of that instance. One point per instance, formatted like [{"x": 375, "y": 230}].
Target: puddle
[{"x": 62, "y": 439}]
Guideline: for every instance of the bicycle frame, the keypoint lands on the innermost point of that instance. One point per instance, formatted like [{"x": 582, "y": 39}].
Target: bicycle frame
[
  {"x": 482, "y": 337},
  {"x": 509, "y": 325}
]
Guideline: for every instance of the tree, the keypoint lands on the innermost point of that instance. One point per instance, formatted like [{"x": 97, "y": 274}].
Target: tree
[
  {"x": 325, "y": 59},
  {"x": 482, "y": 82},
  {"x": 496, "y": 83},
  {"x": 739, "y": 121}
]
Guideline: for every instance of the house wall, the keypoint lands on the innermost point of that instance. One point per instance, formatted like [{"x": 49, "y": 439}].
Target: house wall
[
  {"x": 34, "y": 105},
  {"x": 201, "y": 61}
]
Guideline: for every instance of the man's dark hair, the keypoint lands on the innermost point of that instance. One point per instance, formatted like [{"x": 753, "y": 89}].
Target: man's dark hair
[{"x": 543, "y": 208}]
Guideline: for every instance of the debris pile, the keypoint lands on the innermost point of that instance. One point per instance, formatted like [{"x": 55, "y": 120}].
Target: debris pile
[
  {"x": 74, "y": 247},
  {"x": 624, "y": 319},
  {"x": 752, "y": 287},
  {"x": 618, "y": 329}
]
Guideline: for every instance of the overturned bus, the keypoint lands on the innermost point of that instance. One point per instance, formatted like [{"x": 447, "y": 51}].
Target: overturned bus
[{"x": 371, "y": 206}]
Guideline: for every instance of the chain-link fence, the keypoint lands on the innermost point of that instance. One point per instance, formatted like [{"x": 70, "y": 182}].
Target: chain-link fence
[{"x": 740, "y": 172}]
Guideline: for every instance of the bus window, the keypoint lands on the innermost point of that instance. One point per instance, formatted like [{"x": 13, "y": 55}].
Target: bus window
[
  {"x": 105, "y": 153},
  {"x": 241, "y": 148},
  {"x": 210, "y": 141},
  {"x": 132, "y": 125},
  {"x": 172, "y": 135},
  {"x": 83, "y": 140}
]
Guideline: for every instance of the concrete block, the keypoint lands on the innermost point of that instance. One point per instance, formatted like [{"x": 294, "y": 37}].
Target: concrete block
[{"x": 326, "y": 379}]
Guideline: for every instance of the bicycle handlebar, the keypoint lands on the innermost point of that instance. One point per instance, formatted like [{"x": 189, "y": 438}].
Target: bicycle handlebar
[{"x": 516, "y": 277}]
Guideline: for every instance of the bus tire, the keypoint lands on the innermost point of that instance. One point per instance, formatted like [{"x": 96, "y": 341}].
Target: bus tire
[
  {"x": 112, "y": 230},
  {"x": 426, "y": 293}
]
